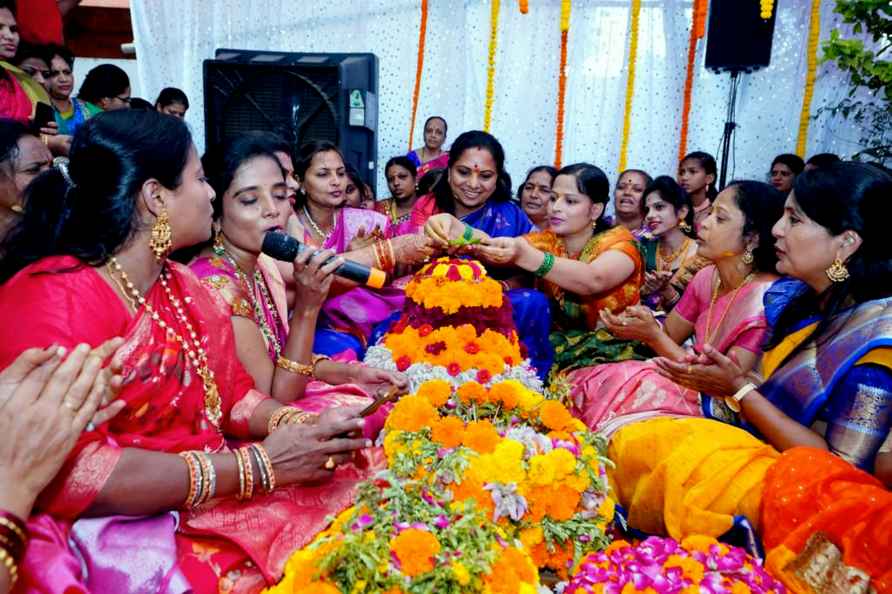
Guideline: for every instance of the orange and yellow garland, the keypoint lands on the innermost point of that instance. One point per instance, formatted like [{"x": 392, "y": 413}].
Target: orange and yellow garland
[
  {"x": 630, "y": 84},
  {"x": 698, "y": 30},
  {"x": 419, "y": 67},
  {"x": 814, "y": 33},
  {"x": 491, "y": 68},
  {"x": 562, "y": 83}
]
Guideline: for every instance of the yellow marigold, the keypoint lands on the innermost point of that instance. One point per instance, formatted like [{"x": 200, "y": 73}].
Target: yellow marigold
[
  {"x": 462, "y": 576},
  {"x": 503, "y": 465},
  {"x": 481, "y": 436},
  {"x": 698, "y": 542},
  {"x": 415, "y": 549},
  {"x": 472, "y": 392},
  {"x": 555, "y": 416},
  {"x": 690, "y": 568},
  {"x": 511, "y": 570},
  {"x": 393, "y": 444},
  {"x": 300, "y": 572},
  {"x": 320, "y": 588},
  {"x": 448, "y": 432},
  {"x": 509, "y": 393},
  {"x": 412, "y": 413},
  {"x": 436, "y": 391},
  {"x": 530, "y": 537}
]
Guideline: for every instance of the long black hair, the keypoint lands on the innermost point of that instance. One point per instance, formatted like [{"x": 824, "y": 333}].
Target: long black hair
[
  {"x": 762, "y": 205},
  {"x": 844, "y": 196},
  {"x": 592, "y": 182},
  {"x": 470, "y": 140},
  {"x": 112, "y": 155},
  {"x": 671, "y": 193}
]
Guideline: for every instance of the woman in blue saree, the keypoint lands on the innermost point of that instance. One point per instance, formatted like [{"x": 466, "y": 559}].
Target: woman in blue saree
[{"x": 476, "y": 190}]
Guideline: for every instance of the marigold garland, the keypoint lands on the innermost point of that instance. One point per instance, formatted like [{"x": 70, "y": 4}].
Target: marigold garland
[
  {"x": 457, "y": 349},
  {"x": 698, "y": 30},
  {"x": 491, "y": 68},
  {"x": 562, "y": 83},
  {"x": 419, "y": 68},
  {"x": 766, "y": 7},
  {"x": 630, "y": 83},
  {"x": 814, "y": 33},
  {"x": 452, "y": 285}
]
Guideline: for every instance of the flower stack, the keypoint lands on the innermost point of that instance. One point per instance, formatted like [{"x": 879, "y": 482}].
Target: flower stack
[{"x": 456, "y": 325}]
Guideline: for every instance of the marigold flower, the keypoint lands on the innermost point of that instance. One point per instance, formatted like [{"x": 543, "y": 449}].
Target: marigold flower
[
  {"x": 448, "y": 432},
  {"x": 412, "y": 413},
  {"x": 437, "y": 392},
  {"x": 471, "y": 392},
  {"x": 415, "y": 550},
  {"x": 555, "y": 415},
  {"x": 481, "y": 436}
]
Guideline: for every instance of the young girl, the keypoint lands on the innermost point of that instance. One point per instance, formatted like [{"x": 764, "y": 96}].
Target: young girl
[{"x": 696, "y": 176}]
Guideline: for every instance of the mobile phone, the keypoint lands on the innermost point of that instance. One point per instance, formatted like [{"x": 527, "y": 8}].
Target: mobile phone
[{"x": 43, "y": 115}]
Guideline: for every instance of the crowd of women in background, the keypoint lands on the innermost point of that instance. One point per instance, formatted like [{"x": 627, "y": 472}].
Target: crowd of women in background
[{"x": 202, "y": 399}]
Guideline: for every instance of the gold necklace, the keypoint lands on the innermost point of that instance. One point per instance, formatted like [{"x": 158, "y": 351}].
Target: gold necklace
[
  {"x": 194, "y": 352},
  {"x": 717, "y": 283},
  {"x": 251, "y": 288},
  {"x": 316, "y": 227},
  {"x": 665, "y": 263}
]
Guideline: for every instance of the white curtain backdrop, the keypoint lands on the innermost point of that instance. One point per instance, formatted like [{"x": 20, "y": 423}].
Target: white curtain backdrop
[{"x": 173, "y": 37}]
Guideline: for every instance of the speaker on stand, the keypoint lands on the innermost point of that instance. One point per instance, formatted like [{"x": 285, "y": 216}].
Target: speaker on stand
[
  {"x": 299, "y": 96},
  {"x": 738, "y": 40}
]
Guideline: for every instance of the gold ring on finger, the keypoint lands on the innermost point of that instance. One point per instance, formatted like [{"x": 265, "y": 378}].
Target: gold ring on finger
[
  {"x": 70, "y": 406},
  {"x": 690, "y": 369},
  {"x": 330, "y": 464}
]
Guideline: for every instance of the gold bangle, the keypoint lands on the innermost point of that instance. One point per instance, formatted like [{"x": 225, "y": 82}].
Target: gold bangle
[
  {"x": 193, "y": 480},
  {"x": 295, "y": 367},
  {"x": 241, "y": 476},
  {"x": 249, "y": 472},
  {"x": 317, "y": 359},
  {"x": 301, "y": 418},
  {"x": 268, "y": 467},
  {"x": 276, "y": 418},
  {"x": 11, "y": 525},
  {"x": 11, "y": 567}
]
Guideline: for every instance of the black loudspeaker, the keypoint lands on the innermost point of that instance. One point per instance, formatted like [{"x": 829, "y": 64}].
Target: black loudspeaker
[
  {"x": 739, "y": 39},
  {"x": 301, "y": 97}
]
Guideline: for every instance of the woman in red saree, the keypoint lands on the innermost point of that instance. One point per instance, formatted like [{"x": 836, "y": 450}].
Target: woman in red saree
[{"x": 134, "y": 191}]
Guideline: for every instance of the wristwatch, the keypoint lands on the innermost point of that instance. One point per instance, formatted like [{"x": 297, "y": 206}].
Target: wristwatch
[{"x": 733, "y": 402}]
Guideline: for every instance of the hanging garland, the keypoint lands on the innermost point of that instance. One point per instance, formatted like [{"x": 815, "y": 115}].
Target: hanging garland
[
  {"x": 698, "y": 30},
  {"x": 524, "y": 6},
  {"x": 630, "y": 84},
  {"x": 491, "y": 68},
  {"x": 766, "y": 7},
  {"x": 419, "y": 67},
  {"x": 562, "y": 84},
  {"x": 814, "y": 33}
]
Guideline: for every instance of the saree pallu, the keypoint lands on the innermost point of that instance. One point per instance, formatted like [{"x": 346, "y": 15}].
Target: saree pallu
[
  {"x": 606, "y": 397},
  {"x": 827, "y": 525},
  {"x": 15, "y": 102},
  {"x": 440, "y": 162},
  {"x": 61, "y": 301},
  {"x": 577, "y": 339},
  {"x": 348, "y": 319},
  {"x": 841, "y": 380}
]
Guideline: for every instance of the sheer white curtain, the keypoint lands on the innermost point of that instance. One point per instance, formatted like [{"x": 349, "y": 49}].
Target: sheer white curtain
[{"x": 173, "y": 37}]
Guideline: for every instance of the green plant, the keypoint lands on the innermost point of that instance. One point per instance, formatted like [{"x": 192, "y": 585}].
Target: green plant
[{"x": 866, "y": 69}]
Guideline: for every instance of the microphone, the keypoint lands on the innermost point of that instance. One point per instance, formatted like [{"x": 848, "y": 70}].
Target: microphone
[{"x": 283, "y": 247}]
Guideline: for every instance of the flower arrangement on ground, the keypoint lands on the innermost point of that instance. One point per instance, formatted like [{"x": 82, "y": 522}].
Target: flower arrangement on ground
[
  {"x": 401, "y": 538},
  {"x": 698, "y": 564}
]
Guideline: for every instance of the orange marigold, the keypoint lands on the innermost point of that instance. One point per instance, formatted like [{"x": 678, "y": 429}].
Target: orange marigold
[
  {"x": 448, "y": 432},
  {"x": 320, "y": 588},
  {"x": 412, "y": 413},
  {"x": 471, "y": 392},
  {"x": 555, "y": 415},
  {"x": 508, "y": 393},
  {"x": 436, "y": 391},
  {"x": 511, "y": 569},
  {"x": 481, "y": 436},
  {"x": 415, "y": 549}
]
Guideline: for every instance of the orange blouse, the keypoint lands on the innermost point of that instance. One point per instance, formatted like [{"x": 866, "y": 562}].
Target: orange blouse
[{"x": 576, "y": 309}]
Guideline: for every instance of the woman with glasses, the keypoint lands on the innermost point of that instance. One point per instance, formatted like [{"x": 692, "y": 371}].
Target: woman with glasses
[{"x": 107, "y": 87}]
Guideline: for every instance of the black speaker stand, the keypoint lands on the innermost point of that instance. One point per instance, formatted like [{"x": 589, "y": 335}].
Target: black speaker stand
[{"x": 730, "y": 127}]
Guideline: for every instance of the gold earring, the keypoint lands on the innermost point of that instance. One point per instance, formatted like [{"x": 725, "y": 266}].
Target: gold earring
[
  {"x": 219, "y": 249},
  {"x": 17, "y": 208},
  {"x": 161, "y": 237},
  {"x": 683, "y": 225},
  {"x": 837, "y": 272},
  {"x": 747, "y": 257}
]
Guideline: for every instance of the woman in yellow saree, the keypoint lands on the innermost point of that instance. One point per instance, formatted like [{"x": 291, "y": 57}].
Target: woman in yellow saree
[{"x": 828, "y": 387}]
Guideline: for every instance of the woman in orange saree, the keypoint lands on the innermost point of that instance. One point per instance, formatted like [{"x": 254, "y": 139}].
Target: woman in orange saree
[{"x": 155, "y": 501}]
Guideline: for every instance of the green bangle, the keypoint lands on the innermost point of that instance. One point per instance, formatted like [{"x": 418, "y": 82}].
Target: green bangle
[
  {"x": 468, "y": 234},
  {"x": 546, "y": 266}
]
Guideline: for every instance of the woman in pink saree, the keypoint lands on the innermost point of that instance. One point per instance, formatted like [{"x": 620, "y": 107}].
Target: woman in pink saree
[
  {"x": 350, "y": 313},
  {"x": 154, "y": 500},
  {"x": 252, "y": 200},
  {"x": 722, "y": 307}
]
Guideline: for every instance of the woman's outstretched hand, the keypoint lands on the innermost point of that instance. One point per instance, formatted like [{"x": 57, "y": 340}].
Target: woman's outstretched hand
[
  {"x": 442, "y": 229},
  {"x": 711, "y": 372},
  {"x": 301, "y": 453},
  {"x": 499, "y": 250},
  {"x": 636, "y": 322}
]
